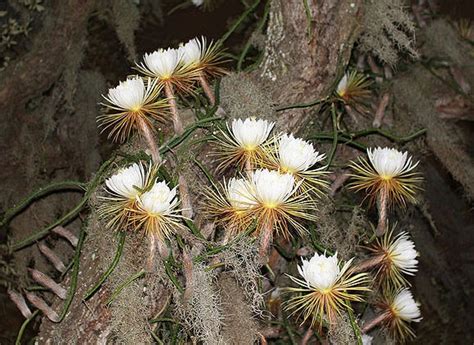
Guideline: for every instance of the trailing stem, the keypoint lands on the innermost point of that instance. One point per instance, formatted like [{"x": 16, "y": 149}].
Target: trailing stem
[
  {"x": 207, "y": 89},
  {"x": 148, "y": 135},
  {"x": 382, "y": 201},
  {"x": 178, "y": 125}
]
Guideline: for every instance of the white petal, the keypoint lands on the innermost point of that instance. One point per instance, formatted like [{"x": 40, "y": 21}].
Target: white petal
[
  {"x": 251, "y": 133},
  {"x": 320, "y": 272},
  {"x": 403, "y": 254},
  {"x": 127, "y": 182},
  {"x": 193, "y": 51},
  {"x": 129, "y": 94},
  {"x": 159, "y": 200},
  {"x": 296, "y": 155},
  {"x": 405, "y": 307},
  {"x": 163, "y": 62},
  {"x": 272, "y": 188},
  {"x": 390, "y": 162},
  {"x": 240, "y": 194}
]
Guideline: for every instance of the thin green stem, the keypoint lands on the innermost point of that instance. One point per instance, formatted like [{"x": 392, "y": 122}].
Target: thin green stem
[
  {"x": 354, "y": 325},
  {"x": 41, "y": 192},
  {"x": 175, "y": 141},
  {"x": 68, "y": 216},
  {"x": 113, "y": 265},
  {"x": 309, "y": 19},
  {"x": 172, "y": 277},
  {"x": 387, "y": 134},
  {"x": 347, "y": 141},
  {"x": 239, "y": 20},
  {"x": 302, "y": 105},
  {"x": 122, "y": 286},
  {"x": 75, "y": 273},
  {"x": 249, "y": 42},
  {"x": 23, "y": 327},
  {"x": 332, "y": 153}
]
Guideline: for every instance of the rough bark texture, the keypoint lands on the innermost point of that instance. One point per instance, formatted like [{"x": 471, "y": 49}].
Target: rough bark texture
[{"x": 302, "y": 59}]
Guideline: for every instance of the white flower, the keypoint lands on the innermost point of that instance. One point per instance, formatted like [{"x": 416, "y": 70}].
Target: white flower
[
  {"x": 160, "y": 200},
  {"x": 193, "y": 51},
  {"x": 239, "y": 194},
  {"x": 128, "y": 182},
  {"x": 342, "y": 86},
  {"x": 403, "y": 254},
  {"x": 272, "y": 188},
  {"x": 320, "y": 272},
  {"x": 163, "y": 62},
  {"x": 390, "y": 162},
  {"x": 197, "y": 3},
  {"x": 405, "y": 307},
  {"x": 251, "y": 133},
  {"x": 296, "y": 155},
  {"x": 366, "y": 339},
  {"x": 130, "y": 94}
]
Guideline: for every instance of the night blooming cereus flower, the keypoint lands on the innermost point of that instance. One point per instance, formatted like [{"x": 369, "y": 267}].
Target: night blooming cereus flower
[
  {"x": 232, "y": 208},
  {"x": 157, "y": 211},
  {"x": 243, "y": 144},
  {"x": 122, "y": 192},
  {"x": 397, "y": 256},
  {"x": 298, "y": 157},
  {"x": 353, "y": 88},
  {"x": 200, "y": 55},
  {"x": 166, "y": 66},
  {"x": 277, "y": 203},
  {"x": 326, "y": 288},
  {"x": 131, "y": 105},
  {"x": 400, "y": 309},
  {"x": 389, "y": 175}
]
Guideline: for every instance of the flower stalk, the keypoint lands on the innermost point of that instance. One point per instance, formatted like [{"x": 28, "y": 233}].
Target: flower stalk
[
  {"x": 177, "y": 124},
  {"x": 382, "y": 203},
  {"x": 207, "y": 89},
  {"x": 379, "y": 319},
  {"x": 147, "y": 134}
]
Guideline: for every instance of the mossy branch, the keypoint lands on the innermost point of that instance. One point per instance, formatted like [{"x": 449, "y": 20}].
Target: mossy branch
[
  {"x": 41, "y": 192},
  {"x": 118, "y": 254}
]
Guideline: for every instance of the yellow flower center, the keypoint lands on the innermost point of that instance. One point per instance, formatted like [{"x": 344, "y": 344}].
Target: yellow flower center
[
  {"x": 270, "y": 205},
  {"x": 285, "y": 169},
  {"x": 249, "y": 147}
]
